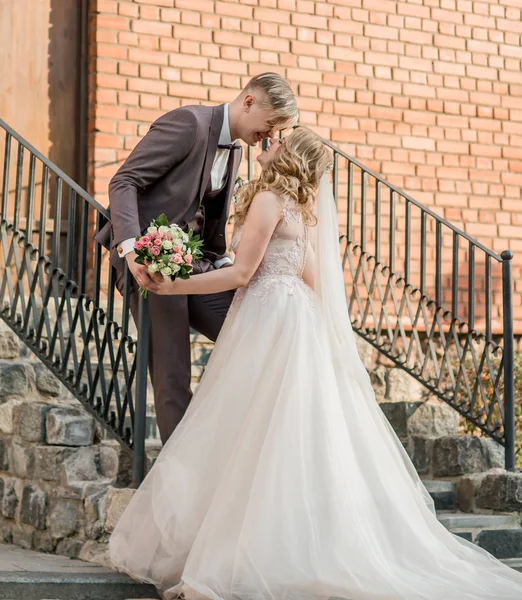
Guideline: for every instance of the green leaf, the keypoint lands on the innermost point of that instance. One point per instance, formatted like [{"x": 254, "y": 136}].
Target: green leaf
[
  {"x": 139, "y": 259},
  {"x": 162, "y": 220}
]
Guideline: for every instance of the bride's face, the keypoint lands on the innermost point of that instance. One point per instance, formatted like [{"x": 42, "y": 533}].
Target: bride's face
[{"x": 266, "y": 158}]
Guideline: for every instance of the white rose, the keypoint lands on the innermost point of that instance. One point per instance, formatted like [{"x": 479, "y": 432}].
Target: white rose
[
  {"x": 185, "y": 237},
  {"x": 175, "y": 231},
  {"x": 152, "y": 229},
  {"x": 164, "y": 229},
  {"x": 174, "y": 268},
  {"x": 153, "y": 268},
  {"x": 167, "y": 245},
  {"x": 166, "y": 270}
]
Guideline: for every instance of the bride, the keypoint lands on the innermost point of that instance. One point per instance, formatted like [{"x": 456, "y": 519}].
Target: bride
[{"x": 284, "y": 481}]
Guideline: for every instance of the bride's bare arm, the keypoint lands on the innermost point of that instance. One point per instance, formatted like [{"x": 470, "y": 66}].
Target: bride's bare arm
[{"x": 262, "y": 219}]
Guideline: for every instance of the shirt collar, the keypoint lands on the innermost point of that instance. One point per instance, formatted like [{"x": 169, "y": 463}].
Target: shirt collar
[{"x": 224, "y": 136}]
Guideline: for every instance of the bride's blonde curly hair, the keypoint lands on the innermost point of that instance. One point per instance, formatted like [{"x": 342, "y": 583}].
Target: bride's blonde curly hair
[{"x": 294, "y": 174}]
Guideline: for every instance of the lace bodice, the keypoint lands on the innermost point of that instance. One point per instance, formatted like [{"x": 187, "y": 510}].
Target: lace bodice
[{"x": 285, "y": 256}]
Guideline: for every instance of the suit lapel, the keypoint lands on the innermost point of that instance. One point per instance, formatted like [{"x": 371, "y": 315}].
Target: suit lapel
[{"x": 213, "y": 138}]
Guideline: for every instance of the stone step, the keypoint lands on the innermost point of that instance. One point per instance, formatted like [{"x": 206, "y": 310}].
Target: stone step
[
  {"x": 456, "y": 521},
  {"x": 500, "y": 535},
  {"x": 27, "y": 575},
  {"x": 444, "y": 494}
]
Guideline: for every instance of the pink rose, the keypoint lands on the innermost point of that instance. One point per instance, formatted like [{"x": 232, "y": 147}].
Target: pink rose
[
  {"x": 157, "y": 241},
  {"x": 177, "y": 249},
  {"x": 155, "y": 250},
  {"x": 188, "y": 259},
  {"x": 178, "y": 259},
  {"x": 149, "y": 244},
  {"x": 167, "y": 236},
  {"x": 138, "y": 246},
  {"x": 144, "y": 240}
]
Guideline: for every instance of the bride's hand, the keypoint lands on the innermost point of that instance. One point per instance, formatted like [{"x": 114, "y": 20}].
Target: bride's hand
[{"x": 166, "y": 287}]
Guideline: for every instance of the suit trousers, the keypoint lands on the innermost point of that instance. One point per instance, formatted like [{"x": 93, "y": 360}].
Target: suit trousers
[{"x": 171, "y": 318}]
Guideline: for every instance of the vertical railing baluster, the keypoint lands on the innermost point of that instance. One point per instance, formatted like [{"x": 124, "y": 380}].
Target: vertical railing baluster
[
  {"x": 127, "y": 280},
  {"x": 438, "y": 264},
  {"x": 111, "y": 288},
  {"x": 97, "y": 264},
  {"x": 363, "y": 211},
  {"x": 455, "y": 277},
  {"x": 5, "y": 182},
  {"x": 140, "y": 406},
  {"x": 349, "y": 208},
  {"x": 71, "y": 235},
  {"x": 19, "y": 185},
  {"x": 488, "y": 298},
  {"x": 43, "y": 211},
  {"x": 471, "y": 286},
  {"x": 82, "y": 264},
  {"x": 392, "y": 232},
  {"x": 509, "y": 357},
  {"x": 423, "y": 254},
  {"x": 335, "y": 177},
  {"x": 30, "y": 199},
  {"x": 249, "y": 163},
  {"x": 407, "y": 241},
  {"x": 57, "y": 217},
  {"x": 377, "y": 222}
]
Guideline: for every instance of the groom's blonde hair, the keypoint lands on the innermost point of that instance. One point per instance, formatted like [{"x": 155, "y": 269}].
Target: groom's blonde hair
[{"x": 277, "y": 94}]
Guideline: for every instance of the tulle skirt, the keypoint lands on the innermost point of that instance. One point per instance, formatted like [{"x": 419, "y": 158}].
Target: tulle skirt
[{"x": 284, "y": 481}]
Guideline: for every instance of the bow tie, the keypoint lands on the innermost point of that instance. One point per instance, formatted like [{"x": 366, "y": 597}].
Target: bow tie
[{"x": 228, "y": 146}]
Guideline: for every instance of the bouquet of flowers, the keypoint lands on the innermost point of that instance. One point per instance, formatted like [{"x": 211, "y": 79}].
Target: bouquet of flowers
[{"x": 167, "y": 249}]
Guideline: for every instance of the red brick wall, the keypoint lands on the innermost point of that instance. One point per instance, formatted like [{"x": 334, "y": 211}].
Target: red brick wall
[{"x": 427, "y": 92}]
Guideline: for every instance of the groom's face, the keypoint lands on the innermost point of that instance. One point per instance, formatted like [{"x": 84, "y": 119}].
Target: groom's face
[{"x": 258, "y": 121}]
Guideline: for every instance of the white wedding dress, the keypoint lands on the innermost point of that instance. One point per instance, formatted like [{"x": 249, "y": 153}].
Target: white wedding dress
[{"x": 284, "y": 481}]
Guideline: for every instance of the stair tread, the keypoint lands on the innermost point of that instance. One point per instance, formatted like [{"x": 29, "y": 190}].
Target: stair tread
[
  {"x": 457, "y": 520},
  {"x": 434, "y": 486}
]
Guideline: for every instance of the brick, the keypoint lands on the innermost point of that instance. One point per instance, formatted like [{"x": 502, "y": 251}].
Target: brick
[
  {"x": 148, "y": 56},
  {"x": 272, "y": 16},
  {"x": 228, "y": 66},
  {"x": 112, "y": 22},
  {"x": 152, "y": 27},
  {"x": 232, "y": 38},
  {"x": 275, "y": 44},
  {"x": 307, "y": 49},
  {"x": 312, "y": 21},
  {"x": 234, "y": 10},
  {"x": 198, "y": 34}
]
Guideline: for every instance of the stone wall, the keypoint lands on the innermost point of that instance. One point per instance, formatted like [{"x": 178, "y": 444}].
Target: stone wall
[{"x": 54, "y": 468}]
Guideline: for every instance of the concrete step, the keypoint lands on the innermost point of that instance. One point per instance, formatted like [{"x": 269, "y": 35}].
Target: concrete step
[
  {"x": 457, "y": 521},
  {"x": 500, "y": 535},
  {"x": 444, "y": 494},
  {"x": 27, "y": 575}
]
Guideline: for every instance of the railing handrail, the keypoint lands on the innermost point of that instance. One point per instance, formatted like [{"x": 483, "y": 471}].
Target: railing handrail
[
  {"x": 407, "y": 197},
  {"x": 56, "y": 170}
]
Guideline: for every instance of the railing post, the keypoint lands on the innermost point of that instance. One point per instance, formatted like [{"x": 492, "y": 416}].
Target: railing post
[
  {"x": 140, "y": 405},
  {"x": 509, "y": 376}
]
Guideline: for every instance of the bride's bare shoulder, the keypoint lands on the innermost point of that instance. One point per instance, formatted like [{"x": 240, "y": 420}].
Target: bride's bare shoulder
[{"x": 268, "y": 200}]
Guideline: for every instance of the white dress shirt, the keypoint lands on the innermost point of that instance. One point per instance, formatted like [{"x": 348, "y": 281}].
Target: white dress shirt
[{"x": 217, "y": 177}]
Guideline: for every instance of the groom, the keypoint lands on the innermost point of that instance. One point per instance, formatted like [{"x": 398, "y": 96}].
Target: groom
[{"x": 186, "y": 167}]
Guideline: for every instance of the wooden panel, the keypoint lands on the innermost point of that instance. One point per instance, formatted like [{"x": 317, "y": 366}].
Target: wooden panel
[{"x": 38, "y": 86}]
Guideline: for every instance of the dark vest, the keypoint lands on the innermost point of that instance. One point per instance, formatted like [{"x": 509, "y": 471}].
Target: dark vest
[{"x": 207, "y": 205}]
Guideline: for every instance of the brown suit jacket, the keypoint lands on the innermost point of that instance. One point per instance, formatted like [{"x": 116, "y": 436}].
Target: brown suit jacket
[{"x": 168, "y": 172}]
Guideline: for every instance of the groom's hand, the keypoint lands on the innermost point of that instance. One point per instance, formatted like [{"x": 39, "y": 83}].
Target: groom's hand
[{"x": 141, "y": 274}]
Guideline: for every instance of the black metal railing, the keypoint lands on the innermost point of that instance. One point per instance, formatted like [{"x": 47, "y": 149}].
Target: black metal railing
[
  {"x": 58, "y": 293},
  {"x": 401, "y": 261}
]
